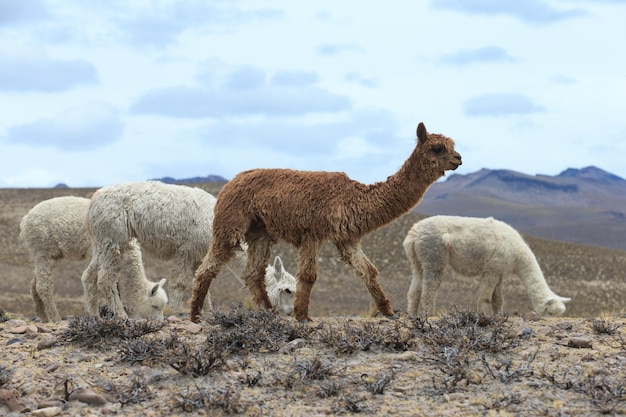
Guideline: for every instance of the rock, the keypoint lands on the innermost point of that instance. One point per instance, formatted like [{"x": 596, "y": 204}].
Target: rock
[
  {"x": 193, "y": 328},
  {"x": 531, "y": 316},
  {"x": 26, "y": 329},
  {"x": 545, "y": 331},
  {"x": 565, "y": 325},
  {"x": 46, "y": 342},
  {"x": 526, "y": 332},
  {"x": 293, "y": 345},
  {"x": 580, "y": 342},
  {"x": 407, "y": 356},
  {"x": 12, "y": 400},
  {"x": 50, "y": 403},
  {"x": 47, "y": 412},
  {"x": 43, "y": 329},
  {"x": 15, "y": 340},
  {"x": 87, "y": 396}
]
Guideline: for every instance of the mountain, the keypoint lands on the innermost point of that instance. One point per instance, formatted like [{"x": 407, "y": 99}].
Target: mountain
[
  {"x": 586, "y": 205},
  {"x": 193, "y": 180}
]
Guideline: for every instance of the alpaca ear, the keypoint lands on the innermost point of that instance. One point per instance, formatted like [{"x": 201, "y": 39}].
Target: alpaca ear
[
  {"x": 565, "y": 300},
  {"x": 156, "y": 287},
  {"x": 278, "y": 266},
  {"x": 422, "y": 134}
]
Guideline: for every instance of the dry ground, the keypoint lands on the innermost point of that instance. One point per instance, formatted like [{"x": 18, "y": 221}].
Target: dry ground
[
  {"x": 243, "y": 362},
  {"x": 344, "y": 364}
]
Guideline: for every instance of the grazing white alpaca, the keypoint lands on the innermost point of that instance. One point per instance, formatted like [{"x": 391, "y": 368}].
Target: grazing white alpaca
[
  {"x": 55, "y": 230},
  {"x": 486, "y": 248},
  {"x": 171, "y": 223}
]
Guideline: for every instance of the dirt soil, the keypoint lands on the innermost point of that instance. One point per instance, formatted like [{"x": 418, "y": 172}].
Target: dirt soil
[{"x": 460, "y": 364}]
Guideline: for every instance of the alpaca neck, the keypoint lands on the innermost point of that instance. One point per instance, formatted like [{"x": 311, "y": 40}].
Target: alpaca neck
[
  {"x": 400, "y": 192},
  {"x": 529, "y": 272}
]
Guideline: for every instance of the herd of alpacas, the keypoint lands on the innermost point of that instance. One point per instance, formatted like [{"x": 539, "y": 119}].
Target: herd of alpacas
[{"x": 199, "y": 235}]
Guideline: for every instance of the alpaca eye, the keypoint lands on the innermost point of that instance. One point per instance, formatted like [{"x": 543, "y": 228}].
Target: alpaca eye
[
  {"x": 288, "y": 291},
  {"x": 438, "y": 149}
]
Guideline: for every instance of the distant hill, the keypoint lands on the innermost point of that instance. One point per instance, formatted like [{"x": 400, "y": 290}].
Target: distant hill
[
  {"x": 193, "y": 180},
  {"x": 585, "y": 205}
]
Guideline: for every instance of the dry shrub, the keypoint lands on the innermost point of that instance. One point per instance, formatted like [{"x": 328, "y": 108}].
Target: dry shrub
[
  {"x": 225, "y": 398},
  {"x": 93, "y": 332},
  {"x": 603, "y": 326}
]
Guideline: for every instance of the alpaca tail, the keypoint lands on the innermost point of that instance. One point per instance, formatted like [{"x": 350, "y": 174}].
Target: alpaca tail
[{"x": 201, "y": 288}]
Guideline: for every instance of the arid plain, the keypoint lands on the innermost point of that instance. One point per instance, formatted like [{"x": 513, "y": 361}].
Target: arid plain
[{"x": 499, "y": 366}]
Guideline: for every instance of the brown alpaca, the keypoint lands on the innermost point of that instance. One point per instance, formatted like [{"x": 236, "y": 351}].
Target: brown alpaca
[{"x": 264, "y": 206}]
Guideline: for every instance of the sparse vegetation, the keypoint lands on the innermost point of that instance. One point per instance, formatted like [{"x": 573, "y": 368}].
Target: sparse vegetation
[
  {"x": 603, "y": 326},
  {"x": 94, "y": 332}
]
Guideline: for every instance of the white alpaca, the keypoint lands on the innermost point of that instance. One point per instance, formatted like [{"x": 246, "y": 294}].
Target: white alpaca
[
  {"x": 474, "y": 247},
  {"x": 171, "y": 223},
  {"x": 55, "y": 230}
]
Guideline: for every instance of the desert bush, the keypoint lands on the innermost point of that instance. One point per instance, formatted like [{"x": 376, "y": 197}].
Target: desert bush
[
  {"x": 330, "y": 388},
  {"x": 317, "y": 368},
  {"x": 93, "y": 332},
  {"x": 603, "y": 326},
  {"x": 362, "y": 336},
  {"x": 135, "y": 392},
  {"x": 380, "y": 384},
  {"x": 245, "y": 330},
  {"x": 225, "y": 398},
  {"x": 453, "y": 341},
  {"x": 605, "y": 392}
]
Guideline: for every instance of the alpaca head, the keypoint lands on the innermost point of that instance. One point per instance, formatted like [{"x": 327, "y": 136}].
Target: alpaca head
[
  {"x": 152, "y": 307},
  {"x": 553, "y": 306},
  {"x": 281, "y": 286},
  {"x": 438, "y": 150}
]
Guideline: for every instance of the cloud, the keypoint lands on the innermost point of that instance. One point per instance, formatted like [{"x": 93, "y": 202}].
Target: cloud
[
  {"x": 301, "y": 137},
  {"x": 563, "y": 79},
  {"x": 503, "y": 104},
  {"x": 161, "y": 23},
  {"x": 89, "y": 126},
  {"x": 40, "y": 73},
  {"x": 16, "y": 12},
  {"x": 366, "y": 144},
  {"x": 355, "y": 78},
  {"x": 245, "y": 91},
  {"x": 295, "y": 78},
  {"x": 337, "y": 49},
  {"x": 528, "y": 11},
  {"x": 470, "y": 56}
]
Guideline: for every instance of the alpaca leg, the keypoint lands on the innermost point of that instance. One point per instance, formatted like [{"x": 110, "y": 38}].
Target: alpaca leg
[
  {"x": 486, "y": 291},
  {"x": 305, "y": 279},
  {"x": 431, "y": 280},
  {"x": 353, "y": 255},
  {"x": 42, "y": 289},
  {"x": 39, "y": 308},
  {"x": 259, "y": 251},
  {"x": 90, "y": 286},
  {"x": 497, "y": 300},
  {"x": 219, "y": 255},
  {"x": 179, "y": 282},
  {"x": 108, "y": 277},
  {"x": 415, "y": 293}
]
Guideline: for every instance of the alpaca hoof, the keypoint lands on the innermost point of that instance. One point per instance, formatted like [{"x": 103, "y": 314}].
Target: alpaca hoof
[
  {"x": 305, "y": 319},
  {"x": 392, "y": 317}
]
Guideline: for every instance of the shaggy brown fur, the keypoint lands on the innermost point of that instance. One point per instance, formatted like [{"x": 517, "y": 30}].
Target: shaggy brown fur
[{"x": 264, "y": 206}]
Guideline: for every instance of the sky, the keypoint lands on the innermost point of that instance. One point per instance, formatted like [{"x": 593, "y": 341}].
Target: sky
[{"x": 94, "y": 93}]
